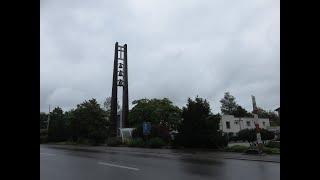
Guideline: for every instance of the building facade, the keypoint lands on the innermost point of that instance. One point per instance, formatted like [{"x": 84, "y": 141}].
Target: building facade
[{"x": 231, "y": 124}]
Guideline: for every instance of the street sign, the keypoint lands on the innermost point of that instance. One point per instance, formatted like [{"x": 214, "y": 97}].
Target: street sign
[{"x": 146, "y": 128}]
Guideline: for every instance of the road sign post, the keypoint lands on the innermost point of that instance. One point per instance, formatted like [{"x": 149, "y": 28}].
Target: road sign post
[{"x": 146, "y": 126}]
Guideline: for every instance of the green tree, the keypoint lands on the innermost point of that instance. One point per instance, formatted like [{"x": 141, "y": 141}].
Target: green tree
[
  {"x": 266, "y": 135},
  {"x": 107, "y": 107},
  {"x": 43, "y": 120},
  {"x": 248, "y": 135},
  {"x": 274, "y": 118},
  {"x": 107, "y": 104},
  {"x": 262, "y": 113},
  {"x": 228, "y": 104},
  {"x": 57, "y": 126},
  {"x": 199, "y": 127},
  {"x": 271, "y": 115},
  {"x": 241, "y": 112},
  {"x": 88, "y": 122},
  {"x": 157, "y": 111}
]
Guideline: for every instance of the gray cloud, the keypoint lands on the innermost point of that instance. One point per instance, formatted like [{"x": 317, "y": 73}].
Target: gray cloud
[{"x": 176, "y": 49}]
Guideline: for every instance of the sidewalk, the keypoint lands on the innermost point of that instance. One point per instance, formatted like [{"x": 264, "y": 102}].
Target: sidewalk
[{"x": 172, "y": 153}]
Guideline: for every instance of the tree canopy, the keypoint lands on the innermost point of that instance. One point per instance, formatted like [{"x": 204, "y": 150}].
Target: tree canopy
[
  {"x": 228, "y": 104},
  {"x": 250, "y": 135},
  {"x": 156, "y": 111},
  {"x": 43, "y": 120},
  {"x": 241, "y": 112},
  {"x": 199, "y": 127},
  {"x": 88, "y": 121},
  {"x": 57, "y": 125}
]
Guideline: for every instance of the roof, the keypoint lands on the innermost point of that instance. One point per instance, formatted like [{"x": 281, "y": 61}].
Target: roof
[{"x": 277, "y": 109}]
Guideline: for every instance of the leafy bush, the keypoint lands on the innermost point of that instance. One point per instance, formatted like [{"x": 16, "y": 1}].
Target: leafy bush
[
  {"x": 96, "y": 137},
  {"x": 234, "y": 138},
  {"x": 266, "y": 135},
  {"x": 160, "y": 132},
  {"x": 247, "y": 135},
  {"x": 237, "y": 148},
  {"x": 43, "y": 139},
  {"x": 269, "y": 150},
  {"x": 273, "y": 144},
  {"x": 136, "y": 142},
  {"x": 156, "y": 142},
  {"x": 66, "y": 143},
  {"x": 137, "y": 132},
  {"x": 156, "y": 131},
  {"x": 250, "y": 135},
  {"x": 114, "y": 141},
  {"x": 43, "y": 132},
  {"x": 43, "y": 136}
]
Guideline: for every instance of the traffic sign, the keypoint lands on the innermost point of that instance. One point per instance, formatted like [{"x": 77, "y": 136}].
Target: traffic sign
[{"x": 146, "y": 128}]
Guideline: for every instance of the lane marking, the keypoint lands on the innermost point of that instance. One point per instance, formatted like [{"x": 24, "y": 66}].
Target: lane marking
[{"x": 119, "y": 166}]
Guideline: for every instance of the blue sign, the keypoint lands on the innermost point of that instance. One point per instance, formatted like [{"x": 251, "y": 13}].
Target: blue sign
[{"x": 146, "y": 128}]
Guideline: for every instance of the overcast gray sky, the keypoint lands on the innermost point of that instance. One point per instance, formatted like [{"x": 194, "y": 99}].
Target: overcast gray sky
[{"x": 176, "y": 49}]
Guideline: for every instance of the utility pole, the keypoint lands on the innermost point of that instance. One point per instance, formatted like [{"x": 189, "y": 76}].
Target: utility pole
[
  {"x": 48, "y": 119},
  {"x": 256, "y": 123}
]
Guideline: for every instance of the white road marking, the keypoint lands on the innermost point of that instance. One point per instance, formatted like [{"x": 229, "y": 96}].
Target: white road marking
[{"x": 115, "y": 165}]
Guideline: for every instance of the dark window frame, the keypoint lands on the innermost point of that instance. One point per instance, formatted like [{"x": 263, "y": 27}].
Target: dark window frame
[{"x": 228, "y": 125}]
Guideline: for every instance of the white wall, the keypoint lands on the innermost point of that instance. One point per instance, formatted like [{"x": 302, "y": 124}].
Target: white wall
[{"x": 237, "y": 124}]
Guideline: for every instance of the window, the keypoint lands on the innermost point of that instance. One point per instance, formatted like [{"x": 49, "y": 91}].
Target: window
[
  {"x": 228, "y": 124},
  {"x": 248, "y": 123},
  {"x": 236, "y": 122},
  {"x": 264, "y": 123}
]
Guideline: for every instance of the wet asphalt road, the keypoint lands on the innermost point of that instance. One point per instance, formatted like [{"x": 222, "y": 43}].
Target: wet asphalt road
[{"x": 61, "y": 164}]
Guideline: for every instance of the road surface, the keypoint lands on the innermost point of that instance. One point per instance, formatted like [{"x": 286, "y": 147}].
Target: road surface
[{"x": 63, "y": 164}]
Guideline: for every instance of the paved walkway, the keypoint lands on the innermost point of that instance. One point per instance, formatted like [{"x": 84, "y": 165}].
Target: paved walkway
[{"x": 173, "y": 153}]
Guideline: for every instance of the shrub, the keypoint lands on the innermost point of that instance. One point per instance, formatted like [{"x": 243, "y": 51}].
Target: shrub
[
  {"x": 216, "y": 141},
  {"x": 114, "y": 141},
  {"x": 156, "y": 131},
  {"x": 247, "y": 135},
  {"x": 43, "y": 136},
  {"x": 273, "y": 144},
  {"x": 43, "y": 139},
  {"x": 66, "y": 143},
  {"x": 234, "y": 138},
  {"x": 137, "y": 132},
  {"x": 156, "y": 142},
  {"x": 267, "y": 135},
  {"x": 96, "y": 137},
  {"x": 237, "y": 148},
  {"x": 136, "y": 142},
  {"x": 83, "y": 141},
  {"x": 269, "y": 150},
  {"x": 161, "y": 132},
  {"x": 43, "y": 132}
]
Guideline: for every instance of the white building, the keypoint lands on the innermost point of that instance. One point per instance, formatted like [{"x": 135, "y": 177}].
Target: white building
[{"x": 229, "y": 123}]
